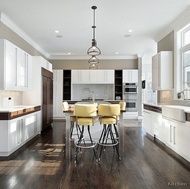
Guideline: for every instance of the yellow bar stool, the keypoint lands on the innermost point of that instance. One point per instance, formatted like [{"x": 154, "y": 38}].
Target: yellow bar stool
[
  {"x": 109, "y": 116},
  {"x": 122, "y": 105},
  {"x": 65, "y": 107},
  {"x": 85, "y": 117}
]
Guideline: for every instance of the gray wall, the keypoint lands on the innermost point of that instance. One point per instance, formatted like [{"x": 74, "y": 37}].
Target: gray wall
[
  {"x": 7, "y": 33},
  {"x": 104, "y": 64},
  {"x": 167, "y": 43}
]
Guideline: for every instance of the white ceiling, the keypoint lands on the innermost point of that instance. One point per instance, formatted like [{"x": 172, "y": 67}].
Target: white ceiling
[{"x": 39, "y": 19}]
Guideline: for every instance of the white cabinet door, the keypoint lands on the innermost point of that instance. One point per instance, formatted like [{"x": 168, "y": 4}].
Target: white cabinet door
[
  {"x": 10, "y": 62},
  {"x": 15, "y": 133},
  {"x": 109, "y": 76},
  {"x": 183, "y": 140},
  {"x": 17, "y": 64},
  {"x": 84, "y": 76},
  {"x": 147, "y": 122},
  {"x": 97, "y": 76},
  {"x": 130, "y": 76},
  {"x": 80, "y": 76},
  {"x": 30, "y": 125},
  {"x": 162, "y": 71},
  {"x": 170, "y": 132},
  {"x": 57, "y": 93}
]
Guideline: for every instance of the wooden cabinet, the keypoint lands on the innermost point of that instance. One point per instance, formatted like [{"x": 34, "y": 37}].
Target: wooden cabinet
[
  {"x": 162, "y": 71},
  {"x": 130, "y": 76},
  {"x": 118, "y": 84},
  {"x": 92, "y": 77},
  {"x": 47, "y": 98},
  {"x": 16, "y": 64}
]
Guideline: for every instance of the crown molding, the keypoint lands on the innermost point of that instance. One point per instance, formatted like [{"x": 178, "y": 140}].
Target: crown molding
[
  {"x": 86, "y": 57},
  {"x": 180, "y": 22},
  {"x": 9, "y": 23}
]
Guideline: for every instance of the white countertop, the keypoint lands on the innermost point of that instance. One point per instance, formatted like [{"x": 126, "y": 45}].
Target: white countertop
[
  {"x": 17, "y": 108},
  {"x": 185, "y": 108}
]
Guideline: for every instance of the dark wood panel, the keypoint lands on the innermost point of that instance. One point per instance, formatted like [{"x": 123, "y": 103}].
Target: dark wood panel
[
  {"x": 46, "y": 73},
  {"x": 152, "y": 108},
  {"x": 47, "y": 100}
]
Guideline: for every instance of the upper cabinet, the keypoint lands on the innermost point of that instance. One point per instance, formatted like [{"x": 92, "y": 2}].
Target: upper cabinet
[
  {"x": 130, "y": 76},
  {"x": 92, "y": 76},
  {"x": 43, "y": 63},
  {"x": 162, "y": 71},
  {"x": 16, "y": 67}
]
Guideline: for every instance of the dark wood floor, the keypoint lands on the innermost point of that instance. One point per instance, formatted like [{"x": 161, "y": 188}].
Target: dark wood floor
[{"x": 42, "y": 164}]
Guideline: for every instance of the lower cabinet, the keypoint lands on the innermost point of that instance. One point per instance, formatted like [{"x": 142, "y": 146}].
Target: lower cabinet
[
  {"x": 172, "y": 133},
  {"x": 16, "y": 132},
  {"x": 176, "y": 137},
  {"x": 152, "y": 122}
]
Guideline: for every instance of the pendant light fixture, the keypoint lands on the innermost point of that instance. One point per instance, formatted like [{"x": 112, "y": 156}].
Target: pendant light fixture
[
  {"x": 94, "y": 50},
  {"x": 93, "y": 60}
]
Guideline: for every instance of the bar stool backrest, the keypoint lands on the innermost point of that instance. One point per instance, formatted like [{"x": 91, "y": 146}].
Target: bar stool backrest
[
  {"x": 65, "y": 106},
  {"x": 109, "y": 109},
  {"x": 85, "y": 110},
  {"x": 122, "y": 105}
]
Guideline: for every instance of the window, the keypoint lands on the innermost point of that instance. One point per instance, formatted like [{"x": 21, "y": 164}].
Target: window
[{"x": 185, "y": 57}]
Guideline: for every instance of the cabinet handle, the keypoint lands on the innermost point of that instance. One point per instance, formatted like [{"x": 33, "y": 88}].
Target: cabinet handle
[
  {"x": 174, "y": 135},
  {"x": 170, "y": 133}
]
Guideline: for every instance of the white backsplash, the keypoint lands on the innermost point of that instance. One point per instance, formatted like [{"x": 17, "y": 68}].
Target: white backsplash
[
  {"x": 85, "y": 91},
  {"x": 16, "y": 98}
]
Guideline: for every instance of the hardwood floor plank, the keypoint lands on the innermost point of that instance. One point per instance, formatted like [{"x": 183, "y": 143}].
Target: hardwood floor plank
[{"x": 42, "y": 164}]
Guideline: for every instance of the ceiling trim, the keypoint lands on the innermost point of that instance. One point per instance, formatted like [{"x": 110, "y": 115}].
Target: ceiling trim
[
  {"x": 102, "y": 57},
  {"x": 178, "y": 23},
  {"x": 9, "y": 23}
]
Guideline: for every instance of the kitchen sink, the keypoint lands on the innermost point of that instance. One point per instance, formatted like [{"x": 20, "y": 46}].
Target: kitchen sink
[{"x": 174, "y": 112}]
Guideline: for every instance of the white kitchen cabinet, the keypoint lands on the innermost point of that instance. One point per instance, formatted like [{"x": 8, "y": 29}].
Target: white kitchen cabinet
[
  {"x": 162, "y": 71},
  {"x": 30, "y": 126},
  {"x": 42, "y": 62},
  {"x": 147, "y": 122},
  {"x": 130, "y": 76},
  {"x": 16, "y": 72},
  {"x": 176, "y": 137},
  {"x": 183, "y": 140},
  {"x": 57, "y": 93},
  {"x": 16, "y": 132},
  {"x": 152, "y": 122},
  {"x": 92, "y": 77},
  {"x": 169, "y": 128},
  {"x": 80, "y": 76}
]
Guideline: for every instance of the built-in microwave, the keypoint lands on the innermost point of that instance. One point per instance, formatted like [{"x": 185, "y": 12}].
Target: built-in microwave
[{"x": 130, "y": 88}]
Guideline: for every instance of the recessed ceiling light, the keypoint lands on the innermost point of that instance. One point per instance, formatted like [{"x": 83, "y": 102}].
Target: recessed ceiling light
[
  {"x": 68, "y": 53},
  {"x": 116, "y": 53},
  {"x": 128, "y": 35},
  {"x": 130, "y": 31},
  {"x": 59, "y": 36},
  {"x": 56, "y": 31}
]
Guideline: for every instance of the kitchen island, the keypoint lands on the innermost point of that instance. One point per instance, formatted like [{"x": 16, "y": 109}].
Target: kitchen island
[{"x": 95, "y": 130}]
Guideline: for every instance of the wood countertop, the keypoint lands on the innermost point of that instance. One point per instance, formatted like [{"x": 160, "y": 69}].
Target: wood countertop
[{"x": 18, "y": 111}]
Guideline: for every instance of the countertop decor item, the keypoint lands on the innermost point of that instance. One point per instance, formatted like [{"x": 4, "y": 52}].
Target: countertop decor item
[{"x": 93, "y": 50}]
